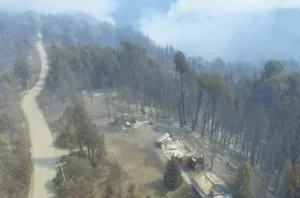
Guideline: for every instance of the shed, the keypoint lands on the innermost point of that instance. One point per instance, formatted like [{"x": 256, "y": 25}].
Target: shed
[{"x": 208, "y": 185}]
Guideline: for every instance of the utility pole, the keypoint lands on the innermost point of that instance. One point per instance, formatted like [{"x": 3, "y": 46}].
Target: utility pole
[{"x": 62, "y": 170}]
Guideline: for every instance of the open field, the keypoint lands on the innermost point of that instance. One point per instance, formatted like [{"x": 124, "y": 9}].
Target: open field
[{"x": 143, "y": 164}]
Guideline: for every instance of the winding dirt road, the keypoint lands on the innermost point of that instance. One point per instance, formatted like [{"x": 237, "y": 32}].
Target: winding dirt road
[{"x": 43, "y": 152}]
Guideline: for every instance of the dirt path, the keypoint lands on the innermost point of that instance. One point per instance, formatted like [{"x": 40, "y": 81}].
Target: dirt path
[{"x": 44, "y": 154}]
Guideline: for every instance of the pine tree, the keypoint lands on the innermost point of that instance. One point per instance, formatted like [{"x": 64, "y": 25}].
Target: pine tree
[
  {"x": 243, "y": 182},
  {"x": 284, "y": 189},
  {"x": 181, "y": 67},
  {"x": 21, "y": 70},
  {"x": 131, "y": 191},
  {"x": 172, "y": 176},
  {"x": 294, "y": 183}
]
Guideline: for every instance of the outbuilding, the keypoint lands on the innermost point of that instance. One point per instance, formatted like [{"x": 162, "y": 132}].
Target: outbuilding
[{"x": 208, "y": 185}]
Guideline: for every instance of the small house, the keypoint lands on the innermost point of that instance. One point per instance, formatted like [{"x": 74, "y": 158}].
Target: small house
[{"x": 208, "y": 185}]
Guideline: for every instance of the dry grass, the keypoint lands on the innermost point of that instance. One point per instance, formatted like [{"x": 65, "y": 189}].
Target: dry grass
[{"x": 142, "y": 163}]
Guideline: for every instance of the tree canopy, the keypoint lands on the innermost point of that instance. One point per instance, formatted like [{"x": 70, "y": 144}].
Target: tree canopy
[
  {"x": 294, "y": 182},
  {"x": 172, "y": 176},
  {"x": 180, "y": 62},
  {"x": 272, "y": 67},
  {"x": 243, "y": 182}
]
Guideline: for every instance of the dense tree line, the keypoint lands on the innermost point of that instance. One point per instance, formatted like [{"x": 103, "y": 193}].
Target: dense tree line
[
  {"x": 17, "y": 41},
  {"x": 85, "y": 167},
  {"x": 15, "y": 158}
]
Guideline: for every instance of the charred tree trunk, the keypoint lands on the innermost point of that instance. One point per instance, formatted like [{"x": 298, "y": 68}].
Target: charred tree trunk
[
  {"x": 80, "y": 147},
  {"x": 180, "y": 114},
  {"x": 107, "y": 107},
  {"x": 199, "y": 103},
  {"x": 181, "y": 102},
  {"x": 91, "y": 97},
  {"x": 206, "y": 117}
]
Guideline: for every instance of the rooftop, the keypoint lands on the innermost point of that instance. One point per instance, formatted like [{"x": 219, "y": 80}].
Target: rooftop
[
  {"x": 207, "y": 182},
  {"x": 177, "y": 148},
  {"x": 164, "y": 137}
]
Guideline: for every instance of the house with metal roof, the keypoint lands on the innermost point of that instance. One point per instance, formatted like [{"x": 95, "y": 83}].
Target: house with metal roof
[{"x": 208, "y": 185}]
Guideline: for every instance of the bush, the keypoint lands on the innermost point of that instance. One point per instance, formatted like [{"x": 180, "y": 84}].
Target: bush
[
  {"x": 75, "y": 168},
  {"x": 15, "y": 172},
  {"x": 243, "y": 182},
  {"x": 294, "y": 182},
  {"x": 79, "y": 176},
  {"x": 66, "y": 139},
  {"x": 172, "y": 176},
  {"x": 76, "y": 188}
]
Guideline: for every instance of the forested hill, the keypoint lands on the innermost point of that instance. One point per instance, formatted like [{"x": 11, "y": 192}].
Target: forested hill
[
  {"x": 17, "y": 35},
  {"x": 80, "y": 28},
  {"x": 76, "y": 29}
]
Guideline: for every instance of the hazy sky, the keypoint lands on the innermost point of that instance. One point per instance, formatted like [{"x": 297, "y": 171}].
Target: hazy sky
[
  {"x": 151, "y": 20},
  {"x": 202, "y": 27},
  {"x": 98, "y": 8}
]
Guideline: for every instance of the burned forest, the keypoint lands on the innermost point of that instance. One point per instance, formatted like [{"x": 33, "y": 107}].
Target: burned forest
[{"x": 126, "y": 117}]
